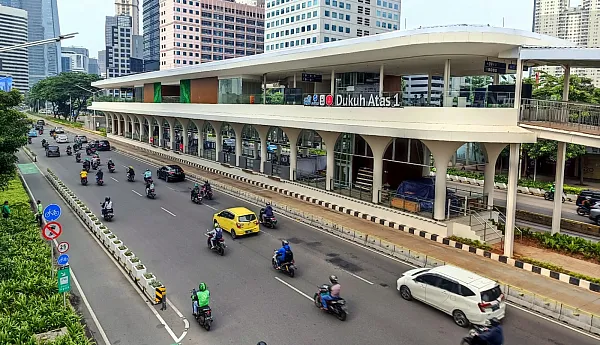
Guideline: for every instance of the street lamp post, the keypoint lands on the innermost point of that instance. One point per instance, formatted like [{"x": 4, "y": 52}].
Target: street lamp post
[
  {"x": 93, "y": 100},
  {"x": 38, "y": 43}
]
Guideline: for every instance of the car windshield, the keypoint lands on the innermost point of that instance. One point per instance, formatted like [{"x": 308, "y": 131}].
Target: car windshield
[
  {"x": 52, "y": 148},
  {"x": 491, "y": 294},
  {"x": 246, "y": 218}
]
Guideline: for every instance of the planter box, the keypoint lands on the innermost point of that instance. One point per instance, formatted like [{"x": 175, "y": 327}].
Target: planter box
[
  {"x": 114, "y": 247},
  {"x": 120, "y": 254},
  {"x": 129, "y": 265},
  {"x": 139, "y": 274},
  {"x": 106, "y": 240},
  {"x": 145, "y": 282},
  {"x": 100, "y": 234}
]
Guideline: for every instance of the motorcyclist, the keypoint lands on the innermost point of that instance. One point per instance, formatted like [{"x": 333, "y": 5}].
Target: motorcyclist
[
  {"x": 149, "y": 186},
  {"x": 147, "y": 174},
  {"x": 43, "y": 142},
  {"x": 78, "y": 156},
  {"x": 86, "y": 164},
  {"x": 206, "y": 188},
  {"x": 96, "y": 159},
  {"x": 110, "y": 164},
  {"x": 283, "y": 253},
  {"x": 83, "y": 174},
  {"x": 200, "y": 298},
  {"x": 195, "y": 191},
  {"x": 214, "y": 235},
  {"x": 268, "y": 213},
  {"x": 68, "y": 149},
  {"x": 106, "y": 205},
  {"x": 494, "y": 335},
  {"x": 99, "y": 175},
  {"x": 130, "y": 171},
  {"x": 553, "y": 188},
  {"x": 334, "y": 292}
]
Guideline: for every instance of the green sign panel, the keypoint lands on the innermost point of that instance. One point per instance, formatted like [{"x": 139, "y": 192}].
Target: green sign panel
[
  {"x": 64, "y": 279},
  {"x": 28, "y": 168}
]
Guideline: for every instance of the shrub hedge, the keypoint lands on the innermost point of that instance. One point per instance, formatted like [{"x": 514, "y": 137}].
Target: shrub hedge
[{"x": 29, "y": 295}]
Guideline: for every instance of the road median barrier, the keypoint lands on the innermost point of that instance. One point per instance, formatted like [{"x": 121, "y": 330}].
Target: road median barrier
[
  {"x": 135, "y": 268},
  {"x": 30, "y": 154}
]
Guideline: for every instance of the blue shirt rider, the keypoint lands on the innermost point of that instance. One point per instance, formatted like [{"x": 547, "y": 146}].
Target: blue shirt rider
[
  {"x": 282, "y": 254},
  {"x": 494, "y": 335},
  {"x": 147, "y": 174},
  {"x": 215, "y": 235},
  {"x": 268, "y": 212}
]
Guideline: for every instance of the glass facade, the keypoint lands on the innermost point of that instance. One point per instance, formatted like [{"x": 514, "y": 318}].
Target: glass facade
[
  {"x": 151, "y": 26},
  {"x": 356, "y": 82},
  {"x": 238, "y": 91}
]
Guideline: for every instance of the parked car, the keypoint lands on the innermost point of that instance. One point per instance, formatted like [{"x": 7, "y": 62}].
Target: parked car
[
  {"x": 469, "y": 298},
  {"x": 237, "y": 221},
  {"x": 62, "y": 138},
  {"x": 53, "y": 151},
  {"x": 170, "y": 173},
  {"x": 592, "y": 195}
]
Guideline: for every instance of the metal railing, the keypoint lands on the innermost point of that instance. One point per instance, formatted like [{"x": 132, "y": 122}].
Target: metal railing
[
  {"x": 170, "y": 99},
  {"x": 351, "y": 190},
  {"x": 568, "y": 115},
  {"x": 502, "y": 220},
  {"x": 476, "y": 219}
]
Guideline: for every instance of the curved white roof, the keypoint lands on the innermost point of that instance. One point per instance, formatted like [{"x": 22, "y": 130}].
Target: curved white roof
[{"x": 418, "y": 51}]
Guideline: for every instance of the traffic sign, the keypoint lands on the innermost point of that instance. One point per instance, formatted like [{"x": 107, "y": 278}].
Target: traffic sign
[
  {"x": 52, "y": 212},
  {"x": 63, "y": 247},
  {"x": 63, "y": 259},
  {"x": 52, "y": 230},
  {"x": 64, "y": 279}
]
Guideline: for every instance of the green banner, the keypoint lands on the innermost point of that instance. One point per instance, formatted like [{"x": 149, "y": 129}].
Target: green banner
[
  {"x": 64, "y": 279},
  {"x": 185, "y": 95},
  {"x": 157, "y": 93}
]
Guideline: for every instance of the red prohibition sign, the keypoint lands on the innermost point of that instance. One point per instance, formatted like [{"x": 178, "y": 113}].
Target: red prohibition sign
[{"x": 52, "y": 230}]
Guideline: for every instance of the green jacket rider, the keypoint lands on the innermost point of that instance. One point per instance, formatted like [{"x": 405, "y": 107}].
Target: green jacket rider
[{"x": 202, "y": 297}]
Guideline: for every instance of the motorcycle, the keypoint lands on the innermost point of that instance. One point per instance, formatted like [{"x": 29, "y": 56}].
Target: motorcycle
[
  {"x": 41, "y": 131},
  {"x": 204, "y": 316},
  {"x": 288, "y": 267},
  {"x": 69, "y": 152},
  {"x": 86, "y": 167},
  {"x": 196, "y": 199},
  {"x": 130, "y": 177},
  {"x": 78, "y": 157},
  {"x": 207, "y": 193},
  {"x": 29, "y": 140},
  {"x": 99, "y": 181},
  {"x": 473, "y": 337},
  {"x": 95, "y": 165},
  {"x": 337, "y": 307},
  {"x": 44, "y": 143},
  {"x": 84, "y": 181},
  {"x": 111, "y": 168},
  {"x": 269, "y": 222},
  {"x": 550, "y": 196},
  {"x": 150, "y": 193},
  {"x": 108, "y": 214},
  {"x": 219, "y": 247}
]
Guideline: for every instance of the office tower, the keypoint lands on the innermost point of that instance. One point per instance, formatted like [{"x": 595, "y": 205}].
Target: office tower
[
  {"x": 129, "y": 8},
  {"x": 124, "y": 50},
  {"x": 151, "y": 29},
  {"x": 78, "y": 59},
  {"x": 14, "y": 63},
  {"x": 193, "y": 32},
  {"x": 93, "y": 66},
  {"x": 579, "y": 24},
  {"x": 102, "y": 63},
  {"x": 298, "y": 23}
]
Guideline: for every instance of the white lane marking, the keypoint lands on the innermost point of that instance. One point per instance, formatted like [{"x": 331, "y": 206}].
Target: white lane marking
[
  {"x": 293, "y": 288},
  {"x": 359, "y": 277},
  {"x": 214, "y": 208},
  {"x": 114, "y": 179},
  {"x": 173, "y": 189},
  {"x": 169, "y": 212},
  {"x": 136, "y": 193}
]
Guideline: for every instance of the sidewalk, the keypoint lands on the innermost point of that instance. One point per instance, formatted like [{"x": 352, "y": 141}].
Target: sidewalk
[{"x": 387, "y": 230}]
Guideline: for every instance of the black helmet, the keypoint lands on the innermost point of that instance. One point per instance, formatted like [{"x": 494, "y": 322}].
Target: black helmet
[
  {"x": 333, "y": 279},
  {"x": 107, "y": 198},
  {"x": 285, "y": 243},
  {"x": 261, "y": 343},
  {"x": 494, "y": 321}
]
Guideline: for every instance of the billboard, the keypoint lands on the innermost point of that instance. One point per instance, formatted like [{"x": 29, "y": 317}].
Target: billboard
[{"x": 6, "y": 83}]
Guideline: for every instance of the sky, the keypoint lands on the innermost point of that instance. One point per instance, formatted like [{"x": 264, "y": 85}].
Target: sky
[{"x": 87, "y": 16}]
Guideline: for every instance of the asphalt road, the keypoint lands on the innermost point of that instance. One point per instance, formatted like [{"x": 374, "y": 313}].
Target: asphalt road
[
  {"x": 123, "y": 315},
  {"x": 249, "y": 299}
]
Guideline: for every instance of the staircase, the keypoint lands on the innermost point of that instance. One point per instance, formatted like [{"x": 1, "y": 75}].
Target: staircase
[
  {"x": 364, "y": 179},
  {"x": 484, "y": 229}
]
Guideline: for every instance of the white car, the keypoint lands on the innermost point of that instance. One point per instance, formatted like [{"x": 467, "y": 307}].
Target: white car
[
  {"x": 468, "y": 297},
  {"x": 59, "y": 130},
  {"x": 62, "y": 138}
]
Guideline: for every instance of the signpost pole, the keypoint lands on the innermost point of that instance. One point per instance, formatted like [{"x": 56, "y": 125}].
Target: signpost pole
[{"x": 52, "y": 265}]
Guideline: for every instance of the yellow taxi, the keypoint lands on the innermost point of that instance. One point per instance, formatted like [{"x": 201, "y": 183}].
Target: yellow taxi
[{"x": 237, "y": 221}]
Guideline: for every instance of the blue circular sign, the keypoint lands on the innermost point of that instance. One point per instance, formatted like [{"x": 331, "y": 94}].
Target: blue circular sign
[
  {"x": 63, "y": 259},
  {"x": 52, "y": 212}
]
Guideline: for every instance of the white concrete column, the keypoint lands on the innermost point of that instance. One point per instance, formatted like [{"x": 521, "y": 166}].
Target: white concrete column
[
  {"x": 119, "y": 126},
  {"x": 493, "y": 151},
  {"x": 447, "y": 77},
  {"x": 330, "y": 139},
  {"x": 265, "y": 88},
  {"x": 378, "y": 146},
  {"x": 161, "y": 131},
  {"x": 429, "y": 80},
  {"x": 237, "y": 127},
  {"x": 293, "y": 134},
  {"x": 442, "y": 152},
  {"x": 294, "y": 80},
  {"x": 171, "y": 123},
  {"x": 518, "y": 82},
  {"x": 332, "y": 83},
  {"x": 262, "y": 133},
  {"x": 381, "y": 77},
  {"x": 511, "y": 199},
  {"x": 566, "y": 83},
  {"x": 559, "y": 180}
]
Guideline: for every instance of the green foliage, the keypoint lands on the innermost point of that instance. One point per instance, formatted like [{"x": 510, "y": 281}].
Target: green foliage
[
  {"x": 102, "y": 131},
  {"x": 63, "y": 122},
  {"x": 29, "y": 296},
  {"x": 472, "y": 243},
  {"x": 566, "y": 244},
  {"x": 559, "y": 269},
  {"x": 14, "y": 126},
  {"x": 62, "y": 89},
  {"x": 522, "y": 182},
  {"x": 547, "y": 149},
  {"x": 581, "y": 89}
]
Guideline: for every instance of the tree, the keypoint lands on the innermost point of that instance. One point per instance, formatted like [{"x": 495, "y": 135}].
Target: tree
[
  {"x": 63, "y": 93},
  {"x": 477, "y": 82},
  {"x": 548, "y": 149},
  {"x": 14, "y": 126},
  {"x": 551, "y": 88}
]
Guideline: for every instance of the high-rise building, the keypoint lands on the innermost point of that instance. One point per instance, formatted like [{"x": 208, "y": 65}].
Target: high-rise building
[
  {"x": 579, "y": 24},
  {"x": 193, "y": 32},
  {"x": 102, "y": 63},
  {"x": 124, "y": 50},
  {"x": 129, "y": 8},
  {"x": 78, "y": 59},
  {"x": 151, "y": 29},
  {"x": 13, "y": 31},
  {"x": 65, "y": 63},
  {"x": 93, "y": 66},
  {"x": 298, "y": 23}
]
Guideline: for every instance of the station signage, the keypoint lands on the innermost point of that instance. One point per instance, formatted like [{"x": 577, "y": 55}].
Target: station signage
[
  {"x": 364, "y": 100},
  {"x": 313, "y": 78},
  {"x": 513, "y": 67},
  {"x": 494, "y": 67}
]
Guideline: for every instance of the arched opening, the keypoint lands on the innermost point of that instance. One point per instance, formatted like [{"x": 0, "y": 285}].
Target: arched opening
[
  {"x": 122, "y": 124},
  {"x": 128, "y": 126},
  {"x": 145, "y": 130},
  {"x": 136, "y": 128},
  {"x": 250, "y": 158},
  {"x": 353, "y": 167},
  {"x": 209, "y": 142},
  {"x": 193, "y": 135},
  {"x": 109, "y": 123},
  {"x": 278, "y": 153},
  {"x": 166, "y": 133},
  {"x": 470, "y": 156},
  {"x": 177, "y": 138},
  {"x": 311, "y": 163},
  {"x": 154, "y": 125},
  {"x": 228, "y": 144}
]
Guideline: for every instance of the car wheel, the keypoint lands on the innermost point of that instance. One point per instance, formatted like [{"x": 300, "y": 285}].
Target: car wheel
[
  {"x": 405, "y": 293},
  {"x": 598, "y": 220},
  {"x": 167, "y": 179},
  {"x": 233, "y": 234},
  {"x": 460, "y": 318}
]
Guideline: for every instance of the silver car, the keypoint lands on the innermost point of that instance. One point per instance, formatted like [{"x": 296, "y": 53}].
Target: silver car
[{"x": 595, "y": 215}]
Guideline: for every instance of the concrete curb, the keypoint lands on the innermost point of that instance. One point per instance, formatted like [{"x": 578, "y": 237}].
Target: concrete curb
[{"x": 149, "y": 286}]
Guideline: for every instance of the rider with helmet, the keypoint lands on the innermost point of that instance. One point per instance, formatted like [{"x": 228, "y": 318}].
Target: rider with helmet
[
  {"x": 106, "y": 205},
  {"x": 130, "y": 171},
  {"x": 268, "y": 213},
  {"x": 283, "y": 254},
  {"x": 200, "y": 298},
  {"x": 147, "y": 174},
  {"x": 334, "y": 292},
  {"x": 494, "y": 335},
  {"x": 99, "y": 175},
  {"x": 215, "y": 235},
  {"x": 195, "y": 191}
]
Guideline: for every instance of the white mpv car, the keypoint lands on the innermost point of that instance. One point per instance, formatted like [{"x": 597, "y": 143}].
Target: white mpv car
[
  {"x": 468, "y": 297},
  {"x": 62, "y": 138}
]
